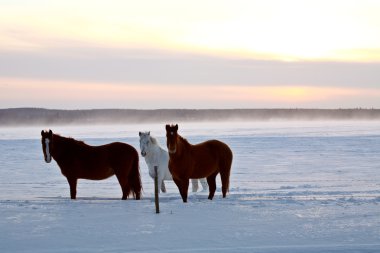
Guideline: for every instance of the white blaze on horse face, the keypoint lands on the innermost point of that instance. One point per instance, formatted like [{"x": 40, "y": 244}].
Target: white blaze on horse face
[
  {"x": 172, "y": 151},
  {"x": 47, "y": 151},
  {"x": 172, "y": 148}
]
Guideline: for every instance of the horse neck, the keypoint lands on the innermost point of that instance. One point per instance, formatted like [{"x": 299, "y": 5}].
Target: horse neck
[
  {"x": 153, "y": 153},
  {"x": 182, "y": 144},
  {"x": 159, "y": 148},
  {"x": 57, "y": 146},
  {"x": 61, "y": 145}
]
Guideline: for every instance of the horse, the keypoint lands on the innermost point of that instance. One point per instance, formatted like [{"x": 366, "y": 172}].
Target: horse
[
  {"x": 206, "y": 159},
  {"x": 155, "y": 155},
  {"x": 78, "y": 160}
]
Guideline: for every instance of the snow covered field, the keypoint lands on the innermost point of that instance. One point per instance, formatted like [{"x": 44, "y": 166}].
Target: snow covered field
[{"x": 295, "y": 187}]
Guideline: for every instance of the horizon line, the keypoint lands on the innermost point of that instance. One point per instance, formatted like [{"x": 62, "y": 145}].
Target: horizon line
[{"x": 154, "y": 109}]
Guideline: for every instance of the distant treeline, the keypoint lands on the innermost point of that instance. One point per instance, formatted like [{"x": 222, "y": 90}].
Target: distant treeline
[{"x": 35, "y": 116}]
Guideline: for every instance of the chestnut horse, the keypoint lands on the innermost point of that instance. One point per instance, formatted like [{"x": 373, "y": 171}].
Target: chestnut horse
[
  {"x": 78, "y": 160},
  {"x": 205, "y": 159}
]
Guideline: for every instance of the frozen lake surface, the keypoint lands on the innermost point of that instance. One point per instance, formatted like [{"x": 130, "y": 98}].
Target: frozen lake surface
[{"x": 295, "y": 187}]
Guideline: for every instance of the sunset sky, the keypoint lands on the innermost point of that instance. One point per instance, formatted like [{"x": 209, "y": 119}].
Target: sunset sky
[{"x": 78, "y": 54}]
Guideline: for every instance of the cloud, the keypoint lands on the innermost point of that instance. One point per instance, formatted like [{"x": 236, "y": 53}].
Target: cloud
[{"x": 161, "y": 67}]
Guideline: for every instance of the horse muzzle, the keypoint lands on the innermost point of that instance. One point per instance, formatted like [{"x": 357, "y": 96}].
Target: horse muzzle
[
  {"x": 48, "y": 159},
  {"x": 172, "y": 151}
]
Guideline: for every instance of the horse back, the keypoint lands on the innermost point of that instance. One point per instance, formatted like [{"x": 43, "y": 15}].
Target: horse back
[
  {"x": 213, "y": 148},
  {"x": 210, "y": 155},
  {"x": 119, "y": 153},
  {"x": 119, "y": 148}
]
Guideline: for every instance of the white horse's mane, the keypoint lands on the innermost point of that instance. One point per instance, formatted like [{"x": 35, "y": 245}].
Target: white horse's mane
[
  {"x": 151, "y": 138},
  {"x": 154, "y": 141}
]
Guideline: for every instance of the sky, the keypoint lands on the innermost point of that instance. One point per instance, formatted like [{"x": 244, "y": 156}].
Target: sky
[{"x": 79, "y": 54}]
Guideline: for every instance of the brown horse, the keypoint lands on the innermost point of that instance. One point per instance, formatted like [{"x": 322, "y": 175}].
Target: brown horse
[
  {"x": 205, "y": 159},
  {"x": 78, "y": 160}
]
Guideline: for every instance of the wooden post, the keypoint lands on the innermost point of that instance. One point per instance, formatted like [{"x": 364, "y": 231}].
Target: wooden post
[{"x": 156, "y": 200}]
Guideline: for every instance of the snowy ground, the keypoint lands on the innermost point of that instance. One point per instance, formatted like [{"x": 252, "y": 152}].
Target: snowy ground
[{"x": 295, "y": 187}]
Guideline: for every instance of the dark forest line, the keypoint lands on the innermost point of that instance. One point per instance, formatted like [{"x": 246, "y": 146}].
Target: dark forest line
[{"x": 35, "y": 116}]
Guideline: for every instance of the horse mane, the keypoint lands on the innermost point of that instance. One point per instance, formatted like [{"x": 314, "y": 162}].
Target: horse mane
[
  {"x": 184, "y": 140},
  {"x": 68, "y": 141},
  {"x": 154, "y": 140}
]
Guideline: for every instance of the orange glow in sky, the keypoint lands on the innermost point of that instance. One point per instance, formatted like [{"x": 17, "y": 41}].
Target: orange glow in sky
[{"x": 107, "y": 95}]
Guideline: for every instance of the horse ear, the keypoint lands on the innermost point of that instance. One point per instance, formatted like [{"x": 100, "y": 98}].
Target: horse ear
[
  {"x": 50, "y": 133},
  {"x": 42, "y": 133},
  {"x": 176, "y": 127},
  {"x": 139, "y": 133},
  {"x": 167, "y": 127},
  {"x": 149, "y": 133}
]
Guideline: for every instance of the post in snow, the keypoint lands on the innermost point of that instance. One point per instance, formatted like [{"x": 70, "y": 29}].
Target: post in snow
[{"x": 156, "y": 200}]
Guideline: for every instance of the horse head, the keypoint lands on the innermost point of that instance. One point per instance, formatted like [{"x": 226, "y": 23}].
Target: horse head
[
  {"x": 46, "y": 141},
  {"x": 171, "y": 138},
  {"x": 144, "y": 142}
]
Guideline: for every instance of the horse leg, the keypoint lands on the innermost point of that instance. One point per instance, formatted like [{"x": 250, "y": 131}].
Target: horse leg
[
  {"x": 181, "y": 185},
  {"x": 185, "y": 188},
  {"x": 124, "y": 185},
  {"x": 178, "y": 184},
  {"x": 204, "y": 184},
  {"x": 160, "y": 181},
  {"x": 211, "y": 185},
  {"x": 194, "y": 183},
  {"x": 163, "y": 188},
  {"x": 73, "y": 187}
]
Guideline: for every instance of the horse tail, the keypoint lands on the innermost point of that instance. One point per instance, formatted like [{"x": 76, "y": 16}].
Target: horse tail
[
  {"x": 225, "y": 169},
  {"x": 134, "y": 179}
]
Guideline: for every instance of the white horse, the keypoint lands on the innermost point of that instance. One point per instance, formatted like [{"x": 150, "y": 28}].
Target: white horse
[{"x": 156, "y": 156}]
